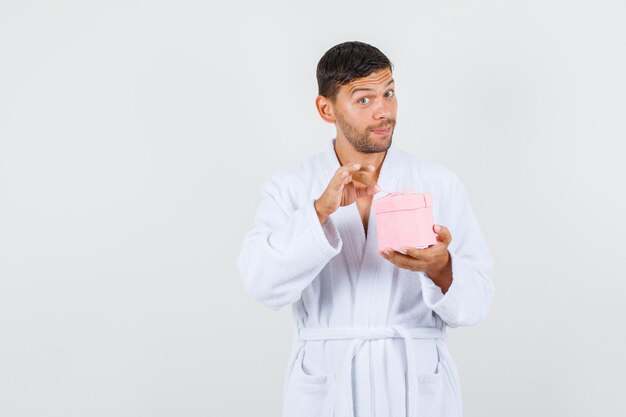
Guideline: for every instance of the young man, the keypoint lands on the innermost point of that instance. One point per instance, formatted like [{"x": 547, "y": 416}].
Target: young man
[{"x": 369, "y": 326}]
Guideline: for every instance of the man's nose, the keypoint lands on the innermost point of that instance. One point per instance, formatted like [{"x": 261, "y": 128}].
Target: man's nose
[{"x": 383, "y": 110}]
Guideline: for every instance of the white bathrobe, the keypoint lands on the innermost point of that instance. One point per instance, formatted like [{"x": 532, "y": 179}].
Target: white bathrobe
[{"x": 369, "y": 337}]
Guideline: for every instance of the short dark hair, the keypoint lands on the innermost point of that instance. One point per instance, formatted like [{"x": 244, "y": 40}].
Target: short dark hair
[{"x": 344, "y": 62}]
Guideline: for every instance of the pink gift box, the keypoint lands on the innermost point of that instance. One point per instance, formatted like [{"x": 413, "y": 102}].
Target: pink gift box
[{"x": 404, "y": 219}]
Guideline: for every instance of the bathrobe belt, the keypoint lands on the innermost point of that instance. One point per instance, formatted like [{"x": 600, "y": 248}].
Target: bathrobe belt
[{"x": 360, "y": 335}]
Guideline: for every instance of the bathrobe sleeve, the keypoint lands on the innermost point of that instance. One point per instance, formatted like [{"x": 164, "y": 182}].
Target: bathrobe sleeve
[
  {"x": 470, "y": 295},
  {"x": 286, "y": 249}
]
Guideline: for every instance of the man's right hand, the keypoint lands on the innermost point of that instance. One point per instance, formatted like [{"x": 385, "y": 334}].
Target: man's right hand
[{"x": 342, "y": 191}]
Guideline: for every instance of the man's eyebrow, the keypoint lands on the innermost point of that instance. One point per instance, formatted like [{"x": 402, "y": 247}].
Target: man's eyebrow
[{"x": 369, "y": 89}]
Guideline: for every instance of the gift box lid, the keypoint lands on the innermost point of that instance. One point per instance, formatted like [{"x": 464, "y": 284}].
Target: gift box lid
[{"x": 401, "y": 201}]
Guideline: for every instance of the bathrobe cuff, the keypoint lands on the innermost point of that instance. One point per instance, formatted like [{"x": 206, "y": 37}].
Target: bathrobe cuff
[{"x": 434, "y": 298}]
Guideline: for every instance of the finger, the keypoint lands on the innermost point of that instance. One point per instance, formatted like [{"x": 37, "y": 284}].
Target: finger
[
  {"x": 368, "y": 168},
  {"x": 417, "y": 253},
  {"x": 372, "y": 189},
  {"x": 351, "y": 167},
  {"x": 426, "y": 255},
  {"x": 443, "y": 234},
  {"x": 345, "y": 182},
  {"x": 407, "y": 263},
  {"x": 339, "y": 181},
  {"x": 350, "y": 194},
  {"x": 356, "y": 167},
  {"x": 367, "y": 191},
  {"x": 403, "y": 261},
  {"x": 342, "y": 172},
  {"x": 364, "y": 177}
]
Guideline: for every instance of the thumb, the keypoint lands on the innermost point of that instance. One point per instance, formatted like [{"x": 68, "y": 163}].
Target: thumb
[
  {"x": 373, "y": 189},
  {"x": 370, "y": 190},
  {"x": 443, "y": 234}
]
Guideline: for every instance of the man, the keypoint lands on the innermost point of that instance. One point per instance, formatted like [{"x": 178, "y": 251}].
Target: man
[{"x": 369, "y": 326}]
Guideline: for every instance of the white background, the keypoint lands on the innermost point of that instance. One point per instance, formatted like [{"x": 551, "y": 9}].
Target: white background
[{"x": 134, "y": 137}]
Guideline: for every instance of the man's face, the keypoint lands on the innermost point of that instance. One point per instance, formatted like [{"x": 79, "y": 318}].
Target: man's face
[{"x": 365, "y": 110}]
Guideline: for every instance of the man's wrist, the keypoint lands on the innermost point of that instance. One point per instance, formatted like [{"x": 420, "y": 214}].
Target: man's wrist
[
  {"x": 321, "y": 215},
  {"x": 442, "y": 276}
]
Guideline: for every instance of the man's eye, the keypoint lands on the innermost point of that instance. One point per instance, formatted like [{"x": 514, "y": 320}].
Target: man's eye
[
  {"x": 364, "y": 100},
  {"x": 389, "y": 93}
]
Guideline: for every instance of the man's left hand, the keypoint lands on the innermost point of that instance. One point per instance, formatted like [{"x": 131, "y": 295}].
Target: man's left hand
[{"x": 434, "y": 260}]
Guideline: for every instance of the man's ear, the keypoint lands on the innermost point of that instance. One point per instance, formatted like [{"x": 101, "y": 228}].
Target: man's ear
[{"x": 325, "y": 108}]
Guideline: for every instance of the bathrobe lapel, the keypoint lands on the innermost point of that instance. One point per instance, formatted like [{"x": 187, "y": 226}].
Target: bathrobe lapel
[{"x": 370, "y": 277}]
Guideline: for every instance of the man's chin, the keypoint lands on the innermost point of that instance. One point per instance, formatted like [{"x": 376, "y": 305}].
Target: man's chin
[
  {"x": 382, "y": 140},
  {"x": 378, "y": 145}
]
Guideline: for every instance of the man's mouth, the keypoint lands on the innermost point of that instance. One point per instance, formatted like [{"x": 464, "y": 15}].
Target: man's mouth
[{"x": 382, "y": 131}]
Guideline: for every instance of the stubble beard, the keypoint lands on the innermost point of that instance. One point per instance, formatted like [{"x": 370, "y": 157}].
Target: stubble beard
[{"x": 361, "y": 142}]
